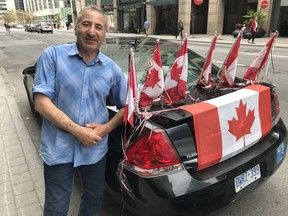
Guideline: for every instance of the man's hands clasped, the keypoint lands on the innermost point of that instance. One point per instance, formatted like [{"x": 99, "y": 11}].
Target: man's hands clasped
[{"x": 90, "y": 134}]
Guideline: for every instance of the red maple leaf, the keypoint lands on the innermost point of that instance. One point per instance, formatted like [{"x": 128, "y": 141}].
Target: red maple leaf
[
  {"x": 239, "y": 128},
  {"x": 176, "y": 71},
  {"x": 152, "y": 78}
]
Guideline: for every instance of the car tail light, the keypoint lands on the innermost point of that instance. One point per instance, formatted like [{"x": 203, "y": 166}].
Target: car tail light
[{"x": 152, "y": 155}]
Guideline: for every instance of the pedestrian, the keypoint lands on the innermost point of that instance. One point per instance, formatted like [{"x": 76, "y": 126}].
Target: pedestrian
[
  {"x": 7, "y": 27},
  {"x": 146, "y": 27},
  {"x": 67, "y": 25},
  {"x": 72, "y": 84},
  {"x": 253, "y": 29},
  {"x": 180, "y": 29}
]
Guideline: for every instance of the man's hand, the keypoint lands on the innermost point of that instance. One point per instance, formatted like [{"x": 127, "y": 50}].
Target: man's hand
[
  {"x": 87, "y": 136},
  {"x": 100, "y": 130}
]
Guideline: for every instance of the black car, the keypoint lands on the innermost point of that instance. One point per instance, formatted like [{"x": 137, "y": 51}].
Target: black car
[
  {"x": 30, "y": 28},
  {"x": 160, "y": 172}
]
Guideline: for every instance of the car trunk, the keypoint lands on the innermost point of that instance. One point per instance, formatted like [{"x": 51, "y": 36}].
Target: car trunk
[{"x": 188, "y": 131}]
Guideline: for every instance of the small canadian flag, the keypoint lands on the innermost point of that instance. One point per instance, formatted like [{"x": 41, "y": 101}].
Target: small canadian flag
[
  {"x": 175, "y": 84},
  {"x": 205, "y": 76},
  {"x": 260, "y": 61},
  {"x": 229, "y": 66},
  {"x": 154, "y": 82},
  {"x": 227, "y": 125},
  {"x": 131, "y": 91}
]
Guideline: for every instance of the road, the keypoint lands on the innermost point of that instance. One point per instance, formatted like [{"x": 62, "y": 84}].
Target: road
[{"x": 21, "y": 49}]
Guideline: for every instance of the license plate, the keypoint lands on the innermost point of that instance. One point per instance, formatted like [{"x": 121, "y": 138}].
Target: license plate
[
  {"x": 247, "y": 178},
  {"x": 280, "y": 153}
]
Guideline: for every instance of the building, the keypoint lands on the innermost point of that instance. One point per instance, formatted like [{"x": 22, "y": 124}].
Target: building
[
  {"x": 55, "y": 11},
  {"x": 198, "y": 16}
]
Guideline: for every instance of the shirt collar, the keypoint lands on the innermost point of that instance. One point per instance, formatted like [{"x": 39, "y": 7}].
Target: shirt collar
[{"x": 74, "y": 51}]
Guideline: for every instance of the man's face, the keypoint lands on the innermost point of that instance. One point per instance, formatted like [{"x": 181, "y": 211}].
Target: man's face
[{"x": 90, "y": 31}]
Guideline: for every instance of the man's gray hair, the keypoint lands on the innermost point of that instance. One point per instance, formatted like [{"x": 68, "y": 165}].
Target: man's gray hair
[{"x": 90, "y": 8}]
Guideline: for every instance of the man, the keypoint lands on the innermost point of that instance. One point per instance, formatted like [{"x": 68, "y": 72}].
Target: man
[
  {"x": 71, "y": 86},
  {"x": 180, "y": 29},
  {"x": 253, "y": 30},
  {"x": 146, "y": 27}
]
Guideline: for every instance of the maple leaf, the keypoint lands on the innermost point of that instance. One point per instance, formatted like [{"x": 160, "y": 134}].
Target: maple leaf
[
  {"x": 176, "y": 71},
  {"x": 152, "y": 78},
  {"x": 239, "y": 128}
]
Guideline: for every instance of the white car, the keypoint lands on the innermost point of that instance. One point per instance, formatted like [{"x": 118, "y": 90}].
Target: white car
[{"x": 44, "y": 27}]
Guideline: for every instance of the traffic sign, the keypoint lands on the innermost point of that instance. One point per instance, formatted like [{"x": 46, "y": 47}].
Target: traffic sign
[
  {"x": 264, "y": 4},
  {"x": 198, "y": 2}
]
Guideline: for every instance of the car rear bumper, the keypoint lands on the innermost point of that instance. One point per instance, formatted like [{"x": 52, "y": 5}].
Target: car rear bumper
[{"x": 184, "y": 193}]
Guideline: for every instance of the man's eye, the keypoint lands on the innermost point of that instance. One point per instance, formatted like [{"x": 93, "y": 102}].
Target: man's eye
[
  {"x": 86, "y": 24},
  {"x": 99, "y": 27}
]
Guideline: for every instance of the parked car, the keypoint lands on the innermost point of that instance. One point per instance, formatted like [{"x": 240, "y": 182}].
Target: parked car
[
  {"x": 19, "y": 26},
  {"x": 30, "y": 28},
  {"x": 160, "y": 172},
  {"x": 44, "y": 27}
]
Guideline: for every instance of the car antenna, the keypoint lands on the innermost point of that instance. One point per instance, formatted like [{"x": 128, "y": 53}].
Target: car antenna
[{"x": 134, "y": 44}]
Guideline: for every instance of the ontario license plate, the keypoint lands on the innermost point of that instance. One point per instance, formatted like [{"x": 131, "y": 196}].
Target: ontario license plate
[
  {"x": 247, "y": 178},
  {"x": 280, "y": 153}
]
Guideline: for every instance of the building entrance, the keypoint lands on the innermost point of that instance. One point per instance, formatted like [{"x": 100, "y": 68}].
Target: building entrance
[{"x": 283, "y": 25}]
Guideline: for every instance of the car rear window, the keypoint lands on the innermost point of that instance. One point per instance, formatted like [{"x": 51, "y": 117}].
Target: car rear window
[{"x": 119, "y": 48}]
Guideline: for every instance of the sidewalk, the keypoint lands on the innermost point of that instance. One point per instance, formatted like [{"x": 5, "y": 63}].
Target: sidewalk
[
  {"x": 224, "y": 39},
  {"x": 21, "y": 193}
]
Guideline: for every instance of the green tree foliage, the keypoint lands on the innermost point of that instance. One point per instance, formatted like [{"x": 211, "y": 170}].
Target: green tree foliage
[
  {"x": 9, "y": 17},
  {"x": 251, "y": 14}
]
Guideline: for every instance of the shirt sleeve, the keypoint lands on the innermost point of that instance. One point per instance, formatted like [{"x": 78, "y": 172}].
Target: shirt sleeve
[
  {"x": 45, "y": 74},
  {"x": 119, "y": 89}
]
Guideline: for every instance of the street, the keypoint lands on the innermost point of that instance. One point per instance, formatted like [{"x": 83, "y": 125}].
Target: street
[{"x": 21, "y": 49}]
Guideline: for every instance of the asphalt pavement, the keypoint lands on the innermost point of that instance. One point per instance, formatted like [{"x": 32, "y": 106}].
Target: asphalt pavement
[{"x": 21, "y": 188}]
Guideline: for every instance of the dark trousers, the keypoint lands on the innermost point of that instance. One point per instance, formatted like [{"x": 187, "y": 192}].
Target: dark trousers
[
  {"x": 179, "y": 32},
  {"x": 253, "y": 35},
  {"x": 58, "y": 188}
]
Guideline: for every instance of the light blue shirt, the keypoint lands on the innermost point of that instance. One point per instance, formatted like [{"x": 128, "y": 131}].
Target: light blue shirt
[{"x": 80, "y": 90}]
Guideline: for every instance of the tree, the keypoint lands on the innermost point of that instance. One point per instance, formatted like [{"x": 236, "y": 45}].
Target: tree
[
  {"x": 9, "y": 17},
  {"x": 252, "y": 14},
  {"x": 28, "y": 17}
]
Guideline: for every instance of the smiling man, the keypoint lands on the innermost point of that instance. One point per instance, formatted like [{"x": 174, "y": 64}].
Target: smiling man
[{"x": 71, "y": 86}]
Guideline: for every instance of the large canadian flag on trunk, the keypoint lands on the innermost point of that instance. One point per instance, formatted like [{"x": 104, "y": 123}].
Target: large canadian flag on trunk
[
  {"x": 229, "y": 124},
  {"x": 176, "y": 80},
  {"x": 154, "y": 82},
  {"x": 260, "y": 61},
  {"x": 205, "y": 76},
  {"x": 131, "y": 91},
  {"x": 229, "y": 67}
]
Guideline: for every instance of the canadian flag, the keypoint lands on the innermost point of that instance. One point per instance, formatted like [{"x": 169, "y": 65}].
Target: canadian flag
[
  {"x": 205, "y": 76},
  {"x": 260, "y": 61},
  {"x": 154, "y": 82},
  {"x": 228, "y": 69},
  {"x": 176, "y": 80},
  {"x": 131, "y": 91},
  {"x": 229, "y": 124}
]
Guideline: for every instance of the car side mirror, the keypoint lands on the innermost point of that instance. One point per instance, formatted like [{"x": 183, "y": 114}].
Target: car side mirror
[{"x": 29, "y": 70}]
